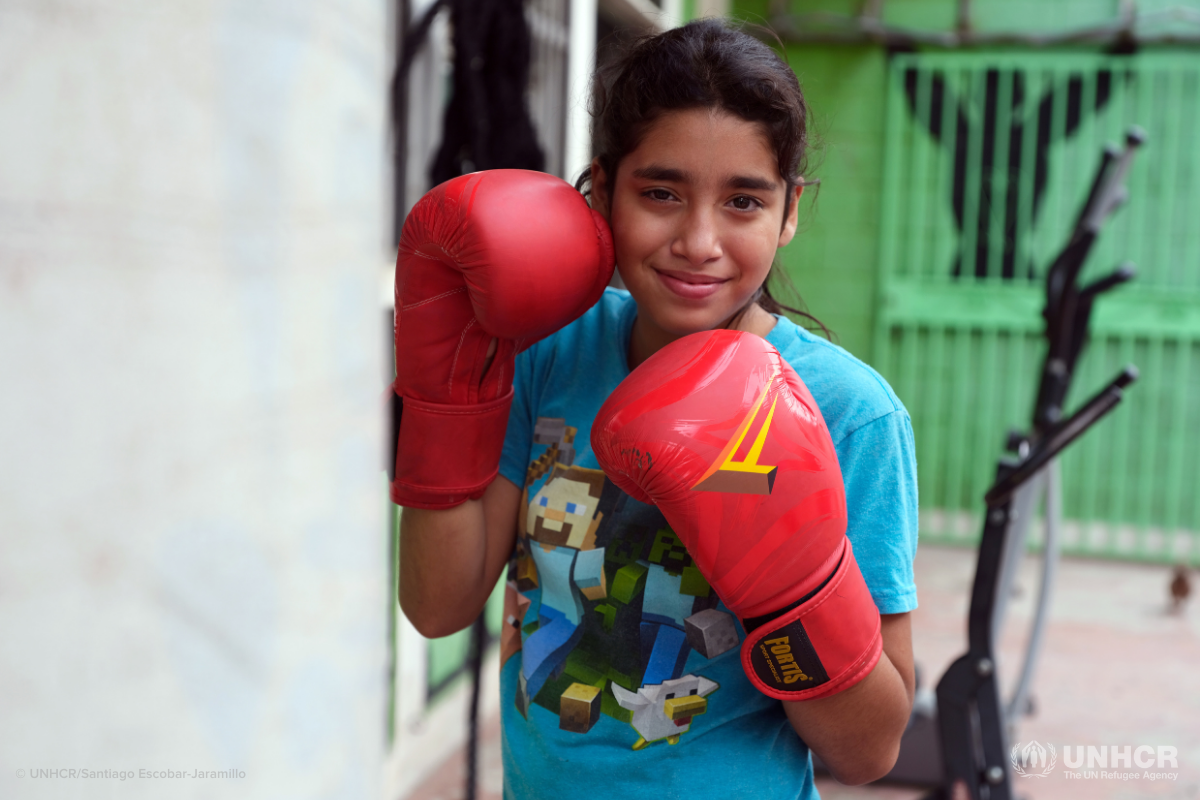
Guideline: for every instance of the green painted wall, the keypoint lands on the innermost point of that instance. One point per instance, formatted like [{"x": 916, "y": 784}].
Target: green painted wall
[
  {"x": 1030, "y": 16},
  {"x": 833, "y": 262},
  {"x": 1124, "y": 483},
  {"x": 833, "y": 259}
]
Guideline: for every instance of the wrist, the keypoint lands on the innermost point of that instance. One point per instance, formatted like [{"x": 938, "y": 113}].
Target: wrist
[
  {"x": 823, "y": 644},
  {"x": 447, "y": 454}
]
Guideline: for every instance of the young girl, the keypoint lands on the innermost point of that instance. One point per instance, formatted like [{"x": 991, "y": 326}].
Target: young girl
[{"x": 621, "y": 675}]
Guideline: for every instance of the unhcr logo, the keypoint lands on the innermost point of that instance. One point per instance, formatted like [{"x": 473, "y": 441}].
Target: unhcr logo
[{"x": 1033, "y": 760}]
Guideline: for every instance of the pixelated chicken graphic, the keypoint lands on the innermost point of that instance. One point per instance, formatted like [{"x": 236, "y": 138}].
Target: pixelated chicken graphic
[{"x": 665, "y": 710}]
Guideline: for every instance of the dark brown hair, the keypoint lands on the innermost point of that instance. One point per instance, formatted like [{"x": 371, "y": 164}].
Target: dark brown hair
[{"x": 704, "y": 64}]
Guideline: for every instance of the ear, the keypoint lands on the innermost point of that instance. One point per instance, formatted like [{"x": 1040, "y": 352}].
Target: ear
[
  {"x": 792, "y": 219},
  {"x": 600, "y": 200}
]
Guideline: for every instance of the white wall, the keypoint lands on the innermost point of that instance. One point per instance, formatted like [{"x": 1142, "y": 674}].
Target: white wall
[{"x": 192, "y": 540}]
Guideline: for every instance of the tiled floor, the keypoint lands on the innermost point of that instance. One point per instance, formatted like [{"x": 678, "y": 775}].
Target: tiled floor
[{"x": 1116, "y": 670}]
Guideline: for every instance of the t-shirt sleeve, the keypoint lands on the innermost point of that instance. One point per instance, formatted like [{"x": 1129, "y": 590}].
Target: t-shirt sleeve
[
  {"x": 879, "y": 468},
  {"x": 518, "y": 439}
]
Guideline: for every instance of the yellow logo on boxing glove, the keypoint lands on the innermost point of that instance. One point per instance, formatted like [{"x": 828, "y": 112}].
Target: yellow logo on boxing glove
[{"x": 746, "y": 476}]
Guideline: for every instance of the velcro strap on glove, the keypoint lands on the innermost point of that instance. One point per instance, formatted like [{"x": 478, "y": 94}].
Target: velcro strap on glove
[
  {"x": 447, "y": 454},
  {"x": 824, "y": 644}
]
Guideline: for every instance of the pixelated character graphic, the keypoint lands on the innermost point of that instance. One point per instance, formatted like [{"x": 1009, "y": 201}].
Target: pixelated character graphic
[
  {"x": 603, "y": 590},
  {"x": 515, "y": 606},
  {"x": 560, "y": 437},
  {"x": 665, "y": 710},
  {"x": 676, "y": 608},
  {"x": 579, "y": 707},
  {"x": 677, "y": 601},
  {"x": 658, "y": 610},
  {"x": 558, "y": 533}
]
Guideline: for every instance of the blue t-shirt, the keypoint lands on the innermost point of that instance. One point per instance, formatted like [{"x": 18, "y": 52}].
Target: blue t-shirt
[{"x": 620, "y": 673}]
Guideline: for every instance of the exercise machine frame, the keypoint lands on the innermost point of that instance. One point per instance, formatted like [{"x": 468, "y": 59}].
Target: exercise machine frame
[{"x": 958, "y": 739}]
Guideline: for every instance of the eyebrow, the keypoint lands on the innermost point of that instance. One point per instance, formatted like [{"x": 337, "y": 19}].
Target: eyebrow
[
  {"x": 668, "y": 174},
  {"x": 654, "y": 172},
  {"x": 750, "y": 182}
]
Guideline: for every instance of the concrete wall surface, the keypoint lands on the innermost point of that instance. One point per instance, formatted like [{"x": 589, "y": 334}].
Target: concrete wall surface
[{"x": 193, "y": 544}]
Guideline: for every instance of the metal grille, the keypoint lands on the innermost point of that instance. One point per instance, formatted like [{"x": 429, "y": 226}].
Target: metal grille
[
  {"x": 988, "y": 159},
  {"x": 548, "y": 78}
]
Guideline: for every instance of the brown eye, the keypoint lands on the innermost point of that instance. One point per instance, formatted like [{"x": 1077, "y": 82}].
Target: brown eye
[{"x": 744, "y": 203}]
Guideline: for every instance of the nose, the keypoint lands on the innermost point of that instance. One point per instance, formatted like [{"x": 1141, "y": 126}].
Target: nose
[{"x": 698, "y": 239}]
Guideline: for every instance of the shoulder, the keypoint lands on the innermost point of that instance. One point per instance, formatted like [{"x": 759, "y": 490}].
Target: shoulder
[
  {"x": 850, "y": 394},
  {"x": 606, "y": 323},
  {"x": 587, "y": 356},
  {"x": 611, "y": 317},
  {"x": 872, "y": 434}
]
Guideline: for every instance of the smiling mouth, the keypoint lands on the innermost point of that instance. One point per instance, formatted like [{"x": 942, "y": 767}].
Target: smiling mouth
[{"x": 692, "y": 287}]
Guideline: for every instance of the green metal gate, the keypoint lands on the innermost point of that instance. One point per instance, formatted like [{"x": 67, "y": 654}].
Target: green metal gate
[{"x": 988, "y": 157}]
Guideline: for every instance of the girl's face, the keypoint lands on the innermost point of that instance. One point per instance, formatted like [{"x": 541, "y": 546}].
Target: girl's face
[{"x": 697, "y": 213}]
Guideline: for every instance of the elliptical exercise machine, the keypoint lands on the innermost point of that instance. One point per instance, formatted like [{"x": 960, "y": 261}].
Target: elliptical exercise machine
[{"x": 958, "y": 740}]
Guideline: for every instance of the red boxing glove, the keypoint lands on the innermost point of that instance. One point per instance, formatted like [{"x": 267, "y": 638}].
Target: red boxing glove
[
  {"x": 505, "y": 255},
  {"x": 718, "y": 432}
]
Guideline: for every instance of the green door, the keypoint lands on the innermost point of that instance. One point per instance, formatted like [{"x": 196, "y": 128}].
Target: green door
[{"x": 988, "y": 158}]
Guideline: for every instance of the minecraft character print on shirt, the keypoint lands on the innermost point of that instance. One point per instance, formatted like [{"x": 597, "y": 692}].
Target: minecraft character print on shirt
[{"x": 605, "y": 604}]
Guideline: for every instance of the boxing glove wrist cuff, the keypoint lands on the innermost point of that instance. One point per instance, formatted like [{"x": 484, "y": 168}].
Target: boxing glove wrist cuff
[
  {"x": 823, "y": 645},
  {"x": 447, "y": 454}
]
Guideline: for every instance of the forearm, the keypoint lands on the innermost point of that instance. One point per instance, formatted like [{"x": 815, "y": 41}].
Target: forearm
[
  {"x": 857, "y": 732},
  {"x": 451, "y": 559}
]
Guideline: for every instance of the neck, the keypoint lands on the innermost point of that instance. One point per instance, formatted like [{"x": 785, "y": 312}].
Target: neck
[{"x": 646, "y": 339}]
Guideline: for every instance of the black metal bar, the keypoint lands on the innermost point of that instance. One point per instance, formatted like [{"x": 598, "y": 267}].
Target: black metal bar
[
  {"x": 972, "y": 725},
  {"x": 1083, "y": 309},
  {"x": 971, "y": 719},
  {"x": 1068, "y": 309},
  {"x": 1055, "y": 440},
  {"x": 478, "y": 645},
  {"x": 1107, "y": 157},
  {"x": 1115, "y": 194},
  {"x": 1122, "y": 274}
]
